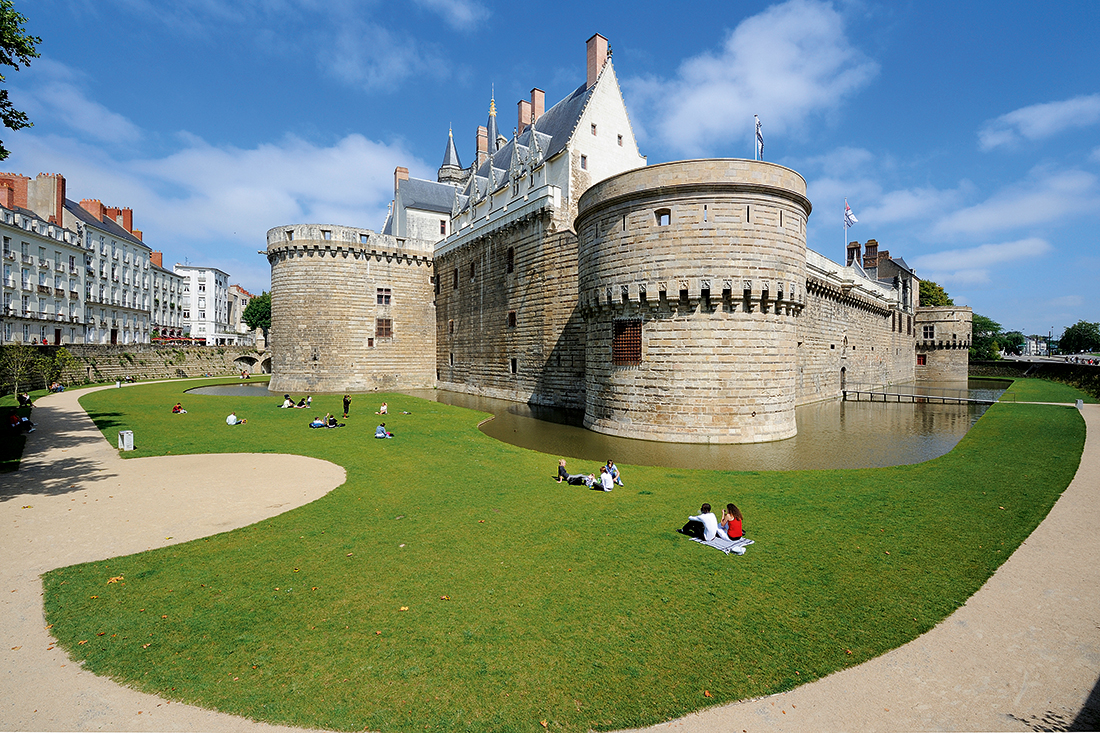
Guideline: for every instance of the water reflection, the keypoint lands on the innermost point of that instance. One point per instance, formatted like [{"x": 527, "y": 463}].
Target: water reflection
[
  {"x": 831, "y": 434},
  {"x": 244, "y": 389}
]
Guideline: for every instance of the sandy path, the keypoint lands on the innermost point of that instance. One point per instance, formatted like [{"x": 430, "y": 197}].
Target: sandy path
[
  {"x": 1023, "y": 653},
  {"x": 86, "y": 503}
]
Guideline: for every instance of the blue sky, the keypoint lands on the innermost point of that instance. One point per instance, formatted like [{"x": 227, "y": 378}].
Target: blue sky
[{"x": 965, "y": 136}]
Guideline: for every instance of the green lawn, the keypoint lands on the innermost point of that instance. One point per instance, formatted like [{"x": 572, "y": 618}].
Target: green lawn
[
  {"x": 527, "y": 600},
  {"x": 1044, "y": 390}
]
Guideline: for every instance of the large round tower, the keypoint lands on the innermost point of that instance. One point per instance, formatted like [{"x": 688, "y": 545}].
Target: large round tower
[
  {"x": 691, "y": 277},
  {"x": 351, "y": 310}
]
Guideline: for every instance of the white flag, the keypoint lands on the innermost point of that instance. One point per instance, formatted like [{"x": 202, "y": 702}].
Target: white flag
[
  {"x": 759, "y": 140},
  {"x": 849, "y": 217}
]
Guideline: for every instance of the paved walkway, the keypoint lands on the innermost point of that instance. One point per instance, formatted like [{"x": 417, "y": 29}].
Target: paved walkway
[{"x": 1022, "y": 654}]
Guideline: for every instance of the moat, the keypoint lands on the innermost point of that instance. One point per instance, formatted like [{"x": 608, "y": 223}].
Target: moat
[{"x": 831, "y": 434}]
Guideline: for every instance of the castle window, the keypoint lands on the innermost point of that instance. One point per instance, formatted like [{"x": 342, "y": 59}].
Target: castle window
[
  {"x": 443, "y": 227},
  {"x": 435, "y": 281},
  {"x": 620, "y": 141},
  {"x": 370, "y": 342},
  {"x": 584, "y": 162},
  {"x": 909, "y": 326},
  {"x": 384, "y": 296},
  {"x": 511, "y": 319},
  {"x": 930, "y": 332},
  {"x": 922, "y": 359},
  {"x": 452, "y": 359},
  {"x": 513, "y": 365},
  {"x": 626, "y": 344},
  {"x": 624, "y": 222},
  {"x": 510, "y": 259},
  {"x": 383, "y": 328},
  {"x": 364, "y": 239},
  {"x": 454, "y": 283},
  {"x": 473, "y": 270},
  {"x": 326, "y": 234},
  {"x": 704, "y": 212},
  {"x": 593, "y": 129},
  {"x": 451, "y": 327},
  {"x": 664, "y": 217},
  {"x": 290, "y": 235}
]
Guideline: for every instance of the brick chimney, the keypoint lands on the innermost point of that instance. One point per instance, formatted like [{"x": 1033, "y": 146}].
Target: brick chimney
[
  {"x": 137, "y": 233},
  {"x": 538, "y": 104},
  {"x": 18, "y": 186},
  {"x": 7, "y": 195},
  {"x": 870, "y": 255},
  {"x": 482, "y": 145},
  {"x": 46, "y": 197},
  {"x": 399, "y": 174},
  {"x": 157, "y": 258},
  {"x": 597, "y": 57},
  {"x": 524, "y": 109},
  {"x": 94, "y": 207},
  {"x": 853, "y": 253}
]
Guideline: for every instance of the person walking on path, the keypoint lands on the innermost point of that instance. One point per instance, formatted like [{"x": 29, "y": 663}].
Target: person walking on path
[{"x": 347, "y": 404}]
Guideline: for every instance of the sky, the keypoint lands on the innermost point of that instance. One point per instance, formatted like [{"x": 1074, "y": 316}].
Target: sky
[{"x": 965, "y": 136}]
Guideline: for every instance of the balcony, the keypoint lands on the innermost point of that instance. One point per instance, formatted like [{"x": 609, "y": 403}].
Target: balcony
[
  {"x": 59, "y": 292},
  {"x": 9, "y": 255},
  {"x": 44, "y": 289},
  {"x": 102, "y": 323},
  {"x": 60, "y": 317},
  {"x": 60, "y": 267},
  {"x": 73, "y": 269},
  {"x": 44, "y": 263},
  {"x": 74, "y": 295},
  {"x": 75, "y": 319},
  {"x": 27, "y": 259},
  {"x": 9, "y": 283}
]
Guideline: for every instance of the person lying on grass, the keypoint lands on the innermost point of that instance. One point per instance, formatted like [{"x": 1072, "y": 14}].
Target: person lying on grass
[
  {"x": 575, "y": 479},
  {"x": 318, "y": 422},
  {"x": 703, "y": 525}
]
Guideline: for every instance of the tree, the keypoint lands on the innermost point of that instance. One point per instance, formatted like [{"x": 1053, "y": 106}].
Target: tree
[
  {"x": 52, "y": 368},
  {"x": 17, "y": 363},
  {"x": 16, "y": 47},
  {"x": 1081, "y": 336},
  {"x": 932, "y": 294},
  {"x": 985, "y": 333},
  {"x": 258, "y": 313},
  {"x": 1012, "y": 342}
]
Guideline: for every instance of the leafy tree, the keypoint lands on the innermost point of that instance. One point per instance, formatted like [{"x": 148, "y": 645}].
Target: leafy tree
[
  {"x": 985, "y": 335},
  {"x": 932, "y": 294},
  {"x": 17, "y": 363},
  {"x": 1081, "y": 336},
  {"x": 258, "y": 313},
  {"x": 1012, "y": 342},
  {"x": 16, "y": 48},
  {"x": 53, "y": 367}
]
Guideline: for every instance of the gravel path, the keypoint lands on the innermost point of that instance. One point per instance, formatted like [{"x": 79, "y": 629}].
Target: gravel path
[{"x": 1022, "y": 654}]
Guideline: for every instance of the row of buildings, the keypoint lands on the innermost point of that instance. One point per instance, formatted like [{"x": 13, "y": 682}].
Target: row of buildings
[{"x": 79, "y": 273}]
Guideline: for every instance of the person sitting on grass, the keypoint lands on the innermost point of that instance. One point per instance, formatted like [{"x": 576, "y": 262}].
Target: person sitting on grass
[
  {"x": 703, "y": 525},
  {"x": 614, "y": 471},
  {"x": 730, "y": 528},
  {"x": 287, "y": 402},
  {"x": 234, "y": 420},
  {"x": 606, "y": 482},
  {"x": 19, "y": 423},
  {"x": 302, "y": 404},
  {"x": 381, "y": 432},
  {"x": 24, "y": 400},
  {"x": 318, "y": 422},
  {"x": 330, "y": 421},
  {"x": 178, "y": 409},
  {"x": 383, "y": 410}
]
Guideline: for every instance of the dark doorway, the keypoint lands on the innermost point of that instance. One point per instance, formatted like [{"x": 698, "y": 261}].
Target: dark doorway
[
  {"x": 114, "y": 336},
  {"x": 843, "y": 378}
]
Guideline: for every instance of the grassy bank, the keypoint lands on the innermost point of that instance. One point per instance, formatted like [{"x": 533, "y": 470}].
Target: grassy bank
[{"x": 452, "y": 584}]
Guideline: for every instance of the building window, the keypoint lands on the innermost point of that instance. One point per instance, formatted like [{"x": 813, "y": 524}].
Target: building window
[
  {"x": 511, "y": 319},
  {"x": 620, "y": 141},
  {"x": 473, "y": 269},
  {"x": 930, "y": 332},
  {"x": 626, "y": 346},
  {"x": 510, "y": 259},
  {"x": 326, "y": 234},
  {"x": 383, "y": 296},
  {"x": 364, "y": 239},
  {"x": 664, "y": 217},
  {"x": 922, "y": 359},
  {"x": 370, "y": 342},
  {"x": 593, "y": 129},
  {"x": 452, "y": 359},
  {"x": 454, "y": 284},
  {"x": 513, "y": 365},
  {"x": 451, "y": 327},
  {"x": 909, "y": 325},
  {"x": 584, "y": 162},
  {"x": 383, "y": 328},
  {"x": 443, "y": 227}
]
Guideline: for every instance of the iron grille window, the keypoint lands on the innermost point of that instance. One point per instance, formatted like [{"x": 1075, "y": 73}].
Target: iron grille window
[
  {"x": 383, "y": 328},
  {"x": 626, "y": 346}
]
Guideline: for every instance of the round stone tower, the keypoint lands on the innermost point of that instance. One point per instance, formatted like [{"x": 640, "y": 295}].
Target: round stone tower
[
  {"x": 692, "y": 274},
  {"x": 351, "y": 310}
]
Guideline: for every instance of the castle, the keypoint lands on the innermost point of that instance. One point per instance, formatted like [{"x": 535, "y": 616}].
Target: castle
[{"x": 674, "y": 302}]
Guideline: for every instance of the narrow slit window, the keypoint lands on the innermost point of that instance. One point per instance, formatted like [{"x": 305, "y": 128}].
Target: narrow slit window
[
  {"x": 704, "y": 212},
  {"x": 510, "y": 259},
  {"x": 664, "y": 217},
  {"x": 620, "y": 141},
  {"x": 626, "y": 344},
  {"x": 511, "y": 319},
  {"x": 443, "y": 227},
  {"x": 451, "y": 327},
  {"x": 584, "y": 162},
  {"x": 513, "y": 365},
  {"x": 454, "y": 280},
  {"x": 593, "y": 129},
  {"x": 473, "y": 270}
]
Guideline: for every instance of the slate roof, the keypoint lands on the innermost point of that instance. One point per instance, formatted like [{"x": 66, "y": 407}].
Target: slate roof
[
  {"x": 106, "y": 225},
  {"x": 451, "y": 156},
  {"x": 417, "y": 193}
]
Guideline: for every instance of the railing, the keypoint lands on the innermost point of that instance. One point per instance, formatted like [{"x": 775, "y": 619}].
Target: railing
[
  {"x": 44, "y": 263},
  {"x": 10, "y": 255},
  {"x": 44, "y": 289},
  {"x": 74, "y": 295},
  {"x": 75, "y": 319},
  {"x": 59, "y": 292},
  {"x": 27, "y": 259}
]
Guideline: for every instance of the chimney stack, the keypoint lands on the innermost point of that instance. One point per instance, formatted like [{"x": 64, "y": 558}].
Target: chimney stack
[
  {"x": 18, "y": 186},
  {"x": 870, "y": 254},
  {"x": 524, "y": 115},
  {"x": 853, "y": 253},
  {"x": 94, "y": 207},
  {"x": 46, "y": 197},
  {"x": 157, "y": 258},
  {"x": 482, "y": 145},
  {"x": 399, "y": 174},
  {"x": 538, "y": 104},
  {"x": 597, "y": 57}
]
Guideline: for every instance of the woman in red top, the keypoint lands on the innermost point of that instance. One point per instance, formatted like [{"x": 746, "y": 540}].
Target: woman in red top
[{"x": 731, "y": 522}]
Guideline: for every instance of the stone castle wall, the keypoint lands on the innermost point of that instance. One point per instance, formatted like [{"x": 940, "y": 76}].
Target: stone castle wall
[
  {"x": 943, "y": 336},
  {"x": 529, "y": 315},
  {"x": 326, "y": 284},
  {"x": 709, "y": 258}
]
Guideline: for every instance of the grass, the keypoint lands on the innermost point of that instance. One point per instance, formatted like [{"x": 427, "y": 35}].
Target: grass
[
  {"x": 527, "y": 600},
  {"x": 1044, "y": 390}
]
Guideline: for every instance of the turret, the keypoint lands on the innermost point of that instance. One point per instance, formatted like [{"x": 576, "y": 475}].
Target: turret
[{"x": 451, "y": 169}]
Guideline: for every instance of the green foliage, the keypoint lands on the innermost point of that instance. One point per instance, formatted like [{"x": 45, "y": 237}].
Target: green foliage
[
  {"x": 932, "y": 295},
  {"x": 985, "y": 333},
  {"x": 1081, "y": 336},
  {"x": 17, "y": 363},
  {"x": 16, "y": 47},
  {"x": 528, "y": 600},
  {"x": 258, "y": 312},
  {"x": 53, "y": 366},
  {"x": 1012, "y": 342}
]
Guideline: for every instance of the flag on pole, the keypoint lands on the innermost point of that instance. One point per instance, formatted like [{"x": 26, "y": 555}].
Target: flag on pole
[
  {"x": 849, "y": 217},
  {"x": 759, "y": 140}
]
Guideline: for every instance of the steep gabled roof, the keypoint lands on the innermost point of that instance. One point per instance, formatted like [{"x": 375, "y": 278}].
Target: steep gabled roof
[
  {"x": 417, "y": 193},
  {"x": 106, "y": 225}
]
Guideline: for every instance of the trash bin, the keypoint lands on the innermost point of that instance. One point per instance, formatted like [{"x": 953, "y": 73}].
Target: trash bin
[
  {"x": 1080, "y": 404},
  {"x": 125, "y": 439},
  {"x": 118, "y": 384}
]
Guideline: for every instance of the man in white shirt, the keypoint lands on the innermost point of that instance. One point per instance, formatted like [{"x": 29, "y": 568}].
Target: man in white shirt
[
  {"x": 704, "y": 525},
  {"x": 232, "y": 420},
  {"x": 605, "y": 479}
]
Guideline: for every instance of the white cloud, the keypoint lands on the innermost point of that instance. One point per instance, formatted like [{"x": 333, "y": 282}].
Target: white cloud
[
  {"x": 1045, "y": 197},
  {"x": 459, "y": 14},
  {"x": 973, "y": 265},
  {"x": 1040, "y": 121},
  {"x": 787, "y": 63},
  {"x": 367, "y": 55},
  {"x": 1095, "y": 155}
]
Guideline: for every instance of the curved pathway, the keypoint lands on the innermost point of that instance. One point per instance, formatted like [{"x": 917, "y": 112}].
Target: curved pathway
[
  {"x": 1022, "y": 654},
  {"x": 74, "y": 500}
]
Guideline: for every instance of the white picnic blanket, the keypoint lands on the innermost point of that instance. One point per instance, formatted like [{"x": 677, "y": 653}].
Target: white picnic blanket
[{"x": 737, "y": 547}]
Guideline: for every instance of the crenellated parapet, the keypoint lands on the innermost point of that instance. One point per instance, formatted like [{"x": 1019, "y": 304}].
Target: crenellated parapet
[
  {"x": 338, "y": 242},
  {"x": 701, "y": 295}
]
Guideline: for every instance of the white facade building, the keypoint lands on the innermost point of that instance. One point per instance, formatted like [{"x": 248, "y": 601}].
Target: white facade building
[
  {"x": 206, "y": 304},
  {"x": 167, "y": 312}
]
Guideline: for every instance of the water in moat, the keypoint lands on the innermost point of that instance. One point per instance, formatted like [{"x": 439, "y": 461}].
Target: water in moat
[{"x": 831, "y": 434}]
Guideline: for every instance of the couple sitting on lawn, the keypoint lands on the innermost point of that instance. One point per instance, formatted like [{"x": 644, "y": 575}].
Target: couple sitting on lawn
[
  {"x": 328, "y": 421},
  {"x": 705, "y": 526}
]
